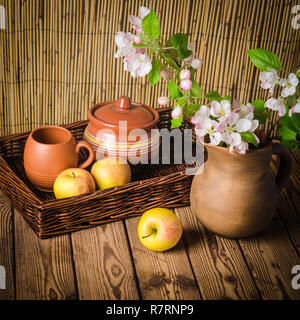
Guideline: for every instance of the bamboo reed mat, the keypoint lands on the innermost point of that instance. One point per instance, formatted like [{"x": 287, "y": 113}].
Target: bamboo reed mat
[{"x": 57, "y": 57}]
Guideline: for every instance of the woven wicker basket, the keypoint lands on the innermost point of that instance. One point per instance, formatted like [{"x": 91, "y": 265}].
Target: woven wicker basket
[{"x": 152, "y": 186}]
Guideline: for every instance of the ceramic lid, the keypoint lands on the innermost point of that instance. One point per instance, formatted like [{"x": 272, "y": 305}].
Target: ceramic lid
[{"x": 111, "y": 113}]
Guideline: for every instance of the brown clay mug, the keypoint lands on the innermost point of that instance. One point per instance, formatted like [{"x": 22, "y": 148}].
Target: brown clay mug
[{"x": 48, "y": 151}]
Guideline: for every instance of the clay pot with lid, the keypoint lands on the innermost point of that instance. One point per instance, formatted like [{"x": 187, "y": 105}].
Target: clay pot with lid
[{"x": 123, "y": 129}]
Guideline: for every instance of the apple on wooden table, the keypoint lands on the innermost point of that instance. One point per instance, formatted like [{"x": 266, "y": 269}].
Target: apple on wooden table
[
  {"x": 159, "y": 229},
  {"x": 73, "y": 182}
]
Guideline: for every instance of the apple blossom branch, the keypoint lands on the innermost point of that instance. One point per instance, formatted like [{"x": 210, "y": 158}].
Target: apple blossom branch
[{"x": 232, "y": 125}]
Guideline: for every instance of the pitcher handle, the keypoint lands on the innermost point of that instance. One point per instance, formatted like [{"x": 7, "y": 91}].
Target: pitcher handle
[
  {"x": 84, "y": 144},
  {"x": 286, "y": 164}
]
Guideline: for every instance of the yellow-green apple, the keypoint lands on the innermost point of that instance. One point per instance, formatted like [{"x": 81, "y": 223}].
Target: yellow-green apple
[
  {"x": 159, "y": 229},
  {"x": 73, "y": 182},
  {"x": 111, "y": 172}
]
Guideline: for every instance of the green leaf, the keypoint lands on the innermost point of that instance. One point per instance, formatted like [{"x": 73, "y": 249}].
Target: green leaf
[
  {"x": 172, "y": 52},
  {"x": 292, "y": 144},
  {"x": 141, "y": 45},
  {"x": 181, "y": 101},
  {"x": 286, "y": 133},
  {"x": 260, "y": 111},
  {"x": 151, "y": 25},
  {"x": 226, "y": 97},
  {"x": 248, "y": 137},
  {"x": 259, "y": 106},
  {"x": 192, "y": 71},
  {"x": 154, "y": 74},
  {"x": 144, "y": 38},
  {"x": 264, "y": 59},
  {"x": 175, "y": 123},
  {"x": 213, "y": 95},
  {"x": 173, "y": 89},
  {"x": 292, "y": 123},
  {"x": 295, "y": 118},
  {"x": 196, "y": 91},
  {"x": 180, "y": 41},
  {"x": 191, "y": 109},
  {"x": 291, "y": 100},
  {"x": 298, "y": 72},
  {"x": 169, "y": 60},
  {"x": 262, "y": 116}
]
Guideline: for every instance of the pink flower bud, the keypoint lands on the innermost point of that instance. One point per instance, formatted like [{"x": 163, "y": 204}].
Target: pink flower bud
[
  {"x": 165, "y": 74},
  {"x": 186, "y": 84},
  {"x": 176, "y": 113},
  {"x": 163, "y": 100},
  {"x": 137, "y": 40},
  {"x": 185, "y": 74},
  {"x": 236, "y": 103},
  {"x": 196, "y": 63}
]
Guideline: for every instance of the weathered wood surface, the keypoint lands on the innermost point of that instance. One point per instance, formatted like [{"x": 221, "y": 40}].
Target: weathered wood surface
[
  {"x": 289, "y": 204},
  {"x": 6, "y": 249},
  {"x": 162, "y": 275},
  {"x": 108, "y": 261},
  {"x": 43, "y": 268},
  {"x": 218, "y": 264},
  {"x": 104, "y": 269}
]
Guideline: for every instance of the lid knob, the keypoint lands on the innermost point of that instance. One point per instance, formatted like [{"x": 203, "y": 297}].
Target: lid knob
[{"x": 124, "y": 103}]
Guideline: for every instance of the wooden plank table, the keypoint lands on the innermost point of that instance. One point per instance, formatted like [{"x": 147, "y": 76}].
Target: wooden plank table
[{"x": 108, "y": 261}]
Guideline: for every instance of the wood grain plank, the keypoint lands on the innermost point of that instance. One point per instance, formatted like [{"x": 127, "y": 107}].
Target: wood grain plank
[
  {"x": 103, "y": 263},
  {"x": 44, "y": 269},
  {"x": 271, "y": 256},
  {"x": 6, "y": 248},
  {"x": 218, "y": 263},
  {"x": 289, "y": 205},
  {"x": 162, "y": 275}
]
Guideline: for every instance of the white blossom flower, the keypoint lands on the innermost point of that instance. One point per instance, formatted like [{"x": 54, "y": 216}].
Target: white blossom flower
[
  {"x": 268, "y": 79},
  {"x": 203, "y": 127},
  {"x": 295, "y": 109},
  {"x": 276, "y": 105},
  {"x": 289, "y": 85},
  {"x": 196, "y": 63},
  {"x": 139, "y": 65},
  {"x": 191, "y": 46},
  {"x": 220, "y": 109},
  {"x": 124, "y": 43},
  {"x": 242, "y": 148},
  {"x": 136, "y": 22},
  {"x": 246, "y": 111},
  {"x": 163, "y": 100},
  {"x": 203, "y": 112}
]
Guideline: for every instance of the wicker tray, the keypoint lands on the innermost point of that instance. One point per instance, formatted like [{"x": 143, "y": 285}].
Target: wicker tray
[{"x": 152, "y": 186}]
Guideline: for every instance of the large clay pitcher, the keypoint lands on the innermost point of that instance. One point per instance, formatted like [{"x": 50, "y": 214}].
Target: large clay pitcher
[{"x": 236, "y": 195}]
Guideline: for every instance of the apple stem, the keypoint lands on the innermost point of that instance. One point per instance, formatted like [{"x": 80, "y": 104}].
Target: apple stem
[
  {"x": 73, "y": 173},
  {"x": 154, "y": 231}
]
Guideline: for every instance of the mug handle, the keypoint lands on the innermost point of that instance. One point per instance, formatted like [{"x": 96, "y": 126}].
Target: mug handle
[
  {"x": 84, "y": 144},
  {"x": 286, "y": 163}
]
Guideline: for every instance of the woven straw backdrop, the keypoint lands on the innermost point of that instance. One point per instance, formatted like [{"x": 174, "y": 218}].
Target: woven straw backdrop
[{"x": 57, "y": 57}]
